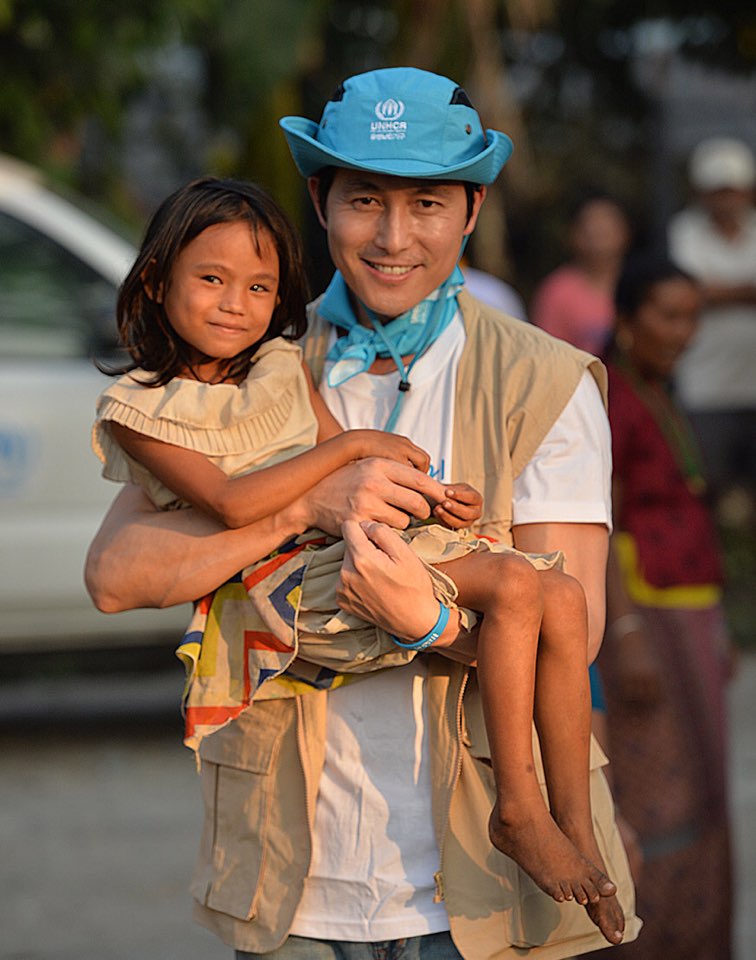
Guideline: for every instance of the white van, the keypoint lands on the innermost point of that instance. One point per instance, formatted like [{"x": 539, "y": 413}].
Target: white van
[{"x": 59, "y": 274}]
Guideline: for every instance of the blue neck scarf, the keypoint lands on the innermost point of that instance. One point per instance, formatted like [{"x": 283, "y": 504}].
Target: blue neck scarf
[{"x": 409, "y": 334}]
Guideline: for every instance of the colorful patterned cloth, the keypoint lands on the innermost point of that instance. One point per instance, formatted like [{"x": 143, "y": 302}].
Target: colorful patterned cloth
[
  {"x": 276, "y": 629},
  {"x": 223, "y": 678}
]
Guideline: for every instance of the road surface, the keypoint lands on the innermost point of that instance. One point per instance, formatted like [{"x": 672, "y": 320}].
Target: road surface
[{"x": 100, "y": 810}]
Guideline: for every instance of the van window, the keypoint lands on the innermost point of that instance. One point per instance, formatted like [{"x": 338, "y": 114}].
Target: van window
[{"x": 51, "y": 303}]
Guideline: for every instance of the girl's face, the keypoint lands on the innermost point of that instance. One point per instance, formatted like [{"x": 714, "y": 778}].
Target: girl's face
[
  {"x": 663, "y": 326},
  {"x": 222, "y": 293}
]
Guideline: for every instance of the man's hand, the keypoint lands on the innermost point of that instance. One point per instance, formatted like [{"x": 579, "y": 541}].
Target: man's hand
[
  {"x": 373, "y": 489},
  {"x": 461, "y": 506},
  {"x": 384, "y": 582}
]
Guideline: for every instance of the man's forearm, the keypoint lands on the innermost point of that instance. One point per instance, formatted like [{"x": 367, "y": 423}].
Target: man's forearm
[
  {"x": 141, "y": 557},
  {"x": 722, "y": 295}
]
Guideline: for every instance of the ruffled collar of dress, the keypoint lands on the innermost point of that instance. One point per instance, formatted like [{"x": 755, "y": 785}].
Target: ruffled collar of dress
[{"x": 272, "y": 373}]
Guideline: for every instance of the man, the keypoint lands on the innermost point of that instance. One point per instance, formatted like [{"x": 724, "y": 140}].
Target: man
[
  {"x": 353, "y": 823},
  {"x": 715, "y": 240}
]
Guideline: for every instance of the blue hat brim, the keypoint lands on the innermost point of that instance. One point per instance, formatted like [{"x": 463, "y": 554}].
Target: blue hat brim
[{"x": 310, "y": 156}]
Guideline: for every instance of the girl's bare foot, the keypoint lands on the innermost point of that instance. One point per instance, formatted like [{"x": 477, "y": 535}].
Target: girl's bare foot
[
  {"x": 608, "y": 916},
  {"x": 605, "y": 911},
  {"x": 536, "y": 843}
]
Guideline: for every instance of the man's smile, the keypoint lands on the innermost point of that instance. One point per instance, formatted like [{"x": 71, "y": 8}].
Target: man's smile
[{"x": 389, "y": 269}]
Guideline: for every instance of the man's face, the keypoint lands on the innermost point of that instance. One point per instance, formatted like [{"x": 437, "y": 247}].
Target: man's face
[
  {"x": 727, "y": 203},
  {"x": 394, "y": 239}
]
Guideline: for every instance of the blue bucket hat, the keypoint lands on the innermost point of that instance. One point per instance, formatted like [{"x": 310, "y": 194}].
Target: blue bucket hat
[{"x": 403, "y": 122}]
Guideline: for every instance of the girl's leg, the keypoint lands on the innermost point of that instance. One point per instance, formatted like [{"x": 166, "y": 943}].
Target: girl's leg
[
  {"x": 563, "y": 720},
  {"x": 563, "y": 704},
  {"x": 506, "y": 589}
]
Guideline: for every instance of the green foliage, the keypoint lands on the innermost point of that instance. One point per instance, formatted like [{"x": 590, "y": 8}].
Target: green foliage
[
  {"x": 72, "y": 68},
  {"x": 64, "y": 62},
  {"x": 254, "y": 55}
]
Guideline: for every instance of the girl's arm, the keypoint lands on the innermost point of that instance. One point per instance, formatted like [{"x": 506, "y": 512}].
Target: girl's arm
[
  {"x": 239, "y": 501},
  {"x": 144, "y": 557}
]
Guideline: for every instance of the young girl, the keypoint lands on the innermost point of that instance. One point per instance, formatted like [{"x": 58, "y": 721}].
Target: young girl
[{"x": 218, "y": 410}]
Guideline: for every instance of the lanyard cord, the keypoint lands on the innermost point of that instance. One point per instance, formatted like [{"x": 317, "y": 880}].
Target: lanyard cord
[{"x": 429, "y": 336}]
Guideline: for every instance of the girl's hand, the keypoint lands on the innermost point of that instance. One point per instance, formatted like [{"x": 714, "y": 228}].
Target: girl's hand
[
  {"x": 462, "y": 506},
  {"x": 376, "y": 443}
]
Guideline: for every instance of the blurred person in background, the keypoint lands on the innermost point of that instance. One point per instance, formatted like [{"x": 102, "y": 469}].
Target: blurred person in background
[
  {"x": 714, "y": 238},
  {"x": 575, "y": 302},
  {"x": 493, "y": 290},
  {"x": 666, "y": 657}
]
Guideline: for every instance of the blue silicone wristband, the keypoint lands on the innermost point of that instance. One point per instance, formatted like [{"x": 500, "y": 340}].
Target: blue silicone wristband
[{"x": 431, "y": 636}]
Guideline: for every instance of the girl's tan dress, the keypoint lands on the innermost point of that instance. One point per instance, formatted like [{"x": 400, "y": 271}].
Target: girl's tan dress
[{"x": 292, "y": 638}]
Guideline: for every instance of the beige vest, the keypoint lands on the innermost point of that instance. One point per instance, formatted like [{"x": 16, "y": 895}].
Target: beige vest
[
  {"x": 260, "y": 774},
  {"x": 513, "y": 381}
]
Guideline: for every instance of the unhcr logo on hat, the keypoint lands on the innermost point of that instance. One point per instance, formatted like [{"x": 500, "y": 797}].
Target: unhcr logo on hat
[
  {"x": 389, "y": 109},
  {"x": 389, "y": 125}
]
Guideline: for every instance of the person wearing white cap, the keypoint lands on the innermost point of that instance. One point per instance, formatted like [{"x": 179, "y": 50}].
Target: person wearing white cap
[
  {"x": 714, "y": 238},
  {"x": 352, "y": 821}
]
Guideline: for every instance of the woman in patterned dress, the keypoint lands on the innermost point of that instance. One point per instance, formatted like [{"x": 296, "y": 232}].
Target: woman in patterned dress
[{"x": 666, "y": 656}]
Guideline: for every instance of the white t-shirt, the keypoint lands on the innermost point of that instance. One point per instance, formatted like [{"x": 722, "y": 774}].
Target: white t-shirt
[
  {"x": 375, "y": 852},
  {"x": 716, "y": 372}
]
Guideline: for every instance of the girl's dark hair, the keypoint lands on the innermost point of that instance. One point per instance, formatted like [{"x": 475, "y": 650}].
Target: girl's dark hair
[
  {"x": 144, "y": 328},
  {"x": 640, "y": 273}
]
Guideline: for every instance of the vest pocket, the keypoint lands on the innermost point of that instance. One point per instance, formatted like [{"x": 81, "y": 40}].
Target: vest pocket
[{"x": 237, "y": 763}]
